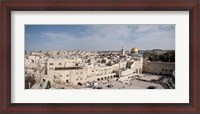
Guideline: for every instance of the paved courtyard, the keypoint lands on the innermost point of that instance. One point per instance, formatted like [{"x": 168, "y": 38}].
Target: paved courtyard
[{"x": 143, "y": 81}]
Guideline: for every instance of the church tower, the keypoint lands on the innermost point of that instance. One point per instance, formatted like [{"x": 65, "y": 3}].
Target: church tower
[{"x": 123, "y": 51}]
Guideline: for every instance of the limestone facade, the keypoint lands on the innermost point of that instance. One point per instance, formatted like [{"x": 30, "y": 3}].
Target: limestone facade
[
  {"x": 71, "y": 71},
  {"x": 163, "y": 68}
]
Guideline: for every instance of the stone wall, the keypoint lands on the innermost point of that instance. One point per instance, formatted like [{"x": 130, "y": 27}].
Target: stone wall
[{"x": 163, "y": 68}]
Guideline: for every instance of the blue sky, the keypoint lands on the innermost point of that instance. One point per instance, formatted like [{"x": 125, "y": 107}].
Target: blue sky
[{"x": 99, "y": 37}]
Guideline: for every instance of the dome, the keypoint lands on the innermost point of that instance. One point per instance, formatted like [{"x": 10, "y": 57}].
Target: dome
[{"x": 134, "y": 50}]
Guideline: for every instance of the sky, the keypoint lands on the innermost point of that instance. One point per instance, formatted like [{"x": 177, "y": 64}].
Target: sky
[{"x": 94, "y": 37}]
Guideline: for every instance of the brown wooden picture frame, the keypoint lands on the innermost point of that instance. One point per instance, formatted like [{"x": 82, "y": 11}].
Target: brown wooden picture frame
[{"x": 7, "y": 6}]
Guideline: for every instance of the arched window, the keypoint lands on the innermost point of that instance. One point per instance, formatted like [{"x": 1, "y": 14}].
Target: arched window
[
  {"x": 79, "y": 83},
  {"x": 59, "y": 63}
]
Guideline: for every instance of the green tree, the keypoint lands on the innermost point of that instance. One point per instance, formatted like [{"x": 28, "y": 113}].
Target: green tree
[
  {"x": 165, "y": 57},
  {"x": 48, "y": 85}
]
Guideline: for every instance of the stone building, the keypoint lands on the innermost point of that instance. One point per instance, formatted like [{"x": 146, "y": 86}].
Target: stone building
[{"x": 75, "y": 71}]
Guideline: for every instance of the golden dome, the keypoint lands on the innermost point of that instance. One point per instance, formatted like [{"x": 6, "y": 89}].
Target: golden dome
[{"x": 134, "y": 50}]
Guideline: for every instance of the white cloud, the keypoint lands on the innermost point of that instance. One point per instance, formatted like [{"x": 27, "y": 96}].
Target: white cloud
[{"x": 112, "y": 37}]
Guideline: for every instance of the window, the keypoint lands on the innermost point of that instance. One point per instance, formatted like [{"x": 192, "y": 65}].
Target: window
[
  {"x": 50, "y": 63},
  {"x": 81, "y": 72},
  {"x": 60, "y": 75},
  {"x": 59, "y": 63},
  {"x": 67, "y": 75},
  {"x": 51, "y": 68}
]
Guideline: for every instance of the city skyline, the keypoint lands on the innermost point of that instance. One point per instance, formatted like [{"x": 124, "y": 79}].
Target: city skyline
[{"x": 99, "y": 37}]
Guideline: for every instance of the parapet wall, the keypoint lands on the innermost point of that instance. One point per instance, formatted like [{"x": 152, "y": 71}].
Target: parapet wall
[{"x": 163, "y": 68}]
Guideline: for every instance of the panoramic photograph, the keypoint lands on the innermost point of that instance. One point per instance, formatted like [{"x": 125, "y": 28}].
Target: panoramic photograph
[{"x": 99, "y": 56}]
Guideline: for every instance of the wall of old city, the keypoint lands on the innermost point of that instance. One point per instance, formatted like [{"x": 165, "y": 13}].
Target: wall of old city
[{"x": 164, "y": 68}]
